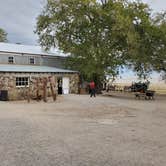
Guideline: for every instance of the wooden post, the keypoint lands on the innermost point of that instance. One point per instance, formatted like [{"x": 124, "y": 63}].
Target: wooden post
[
  {"x": 37, "y": 89},
  {"x": 28, "y": 90},
  {"x": 45, "y": 89},
  {"x": 28, "y": 94},
  {"x": 52, "y": 89}
]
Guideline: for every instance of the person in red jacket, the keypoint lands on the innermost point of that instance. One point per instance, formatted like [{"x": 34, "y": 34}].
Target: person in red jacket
[{"x": 92, "y": 89}]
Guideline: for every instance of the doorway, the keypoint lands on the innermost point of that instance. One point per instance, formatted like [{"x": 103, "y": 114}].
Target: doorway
[
  {"x": 65, "y": 85},
  {"x": 59, "y": 80}
]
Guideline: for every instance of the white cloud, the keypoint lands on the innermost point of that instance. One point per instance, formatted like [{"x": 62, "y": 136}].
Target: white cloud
[
  {"x": 156, "y": 5},
  {"x": 18, "y": 18}
]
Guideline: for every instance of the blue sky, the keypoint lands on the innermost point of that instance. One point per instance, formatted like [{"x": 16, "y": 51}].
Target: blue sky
[{"x": 18, "y": 18}]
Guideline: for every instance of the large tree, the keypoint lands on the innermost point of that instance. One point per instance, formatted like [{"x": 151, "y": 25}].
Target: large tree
[
  {"x": 3, "y": 35},
  {"x": 104, "y": 35}
]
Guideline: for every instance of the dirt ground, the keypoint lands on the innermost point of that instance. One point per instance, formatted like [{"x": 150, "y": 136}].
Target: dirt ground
[{"x": 78, "y": 130}]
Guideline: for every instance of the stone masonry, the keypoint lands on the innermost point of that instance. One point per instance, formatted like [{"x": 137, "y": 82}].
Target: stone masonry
[{"x": 8, "y": 82}]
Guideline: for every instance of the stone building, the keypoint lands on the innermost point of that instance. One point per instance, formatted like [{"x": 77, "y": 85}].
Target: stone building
[{"x": 24, "y": 69}]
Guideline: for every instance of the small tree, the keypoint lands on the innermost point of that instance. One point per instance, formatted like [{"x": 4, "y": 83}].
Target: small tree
[{"x": 3, "y": 35}]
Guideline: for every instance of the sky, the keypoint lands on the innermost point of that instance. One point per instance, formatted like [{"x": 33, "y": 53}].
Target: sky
[{"x": 18, "y": 18}]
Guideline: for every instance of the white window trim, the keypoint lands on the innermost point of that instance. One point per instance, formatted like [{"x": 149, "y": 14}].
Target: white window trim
[
  {"x": 23, "y": 86},
  {"x": 30, "y": 61},
  {"x": 13, "y": 60}
]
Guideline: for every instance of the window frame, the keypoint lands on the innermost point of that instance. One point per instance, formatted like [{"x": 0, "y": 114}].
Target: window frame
[
  {"x": 33, "y": 60},
  {"x": 10, "y": 59},
  {"x": 22, "y": 82}
]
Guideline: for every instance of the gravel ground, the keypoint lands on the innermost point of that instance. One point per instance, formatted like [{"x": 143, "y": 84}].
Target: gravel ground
[{"x": 83, "y": 131}]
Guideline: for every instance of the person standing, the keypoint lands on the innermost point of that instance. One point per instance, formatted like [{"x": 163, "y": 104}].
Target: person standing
[{"x": 92, "y": 89}]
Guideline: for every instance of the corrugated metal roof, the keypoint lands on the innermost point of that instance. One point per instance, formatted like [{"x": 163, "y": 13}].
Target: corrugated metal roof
[
  {"x": 27, "y": 49},
  {"x": 32, "y": 69}
]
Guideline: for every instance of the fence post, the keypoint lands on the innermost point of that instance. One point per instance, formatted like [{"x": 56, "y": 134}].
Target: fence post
[{"x": 45, "y": 89}]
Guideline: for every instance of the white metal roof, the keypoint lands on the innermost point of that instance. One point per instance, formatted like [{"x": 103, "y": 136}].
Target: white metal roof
[
  {"x": 28, "y": 49},
  {"x": 32, "y": 69}
]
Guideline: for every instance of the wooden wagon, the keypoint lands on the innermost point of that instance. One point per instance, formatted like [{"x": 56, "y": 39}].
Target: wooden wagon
[{"x": 147, "y": 95}]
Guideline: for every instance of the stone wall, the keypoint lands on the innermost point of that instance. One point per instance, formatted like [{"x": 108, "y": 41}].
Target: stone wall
[{"x": 8, "y": 82}]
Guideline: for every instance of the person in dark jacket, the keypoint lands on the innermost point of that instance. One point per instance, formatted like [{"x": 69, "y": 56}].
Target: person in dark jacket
[{"x": 92, "y": 89}]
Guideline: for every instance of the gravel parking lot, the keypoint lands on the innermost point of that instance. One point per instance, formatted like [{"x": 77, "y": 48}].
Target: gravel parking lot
[{"x": 78, "y": 130}]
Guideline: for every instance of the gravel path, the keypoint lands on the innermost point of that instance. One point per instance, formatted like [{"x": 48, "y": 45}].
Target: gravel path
[{"x": 81, "y": 131}]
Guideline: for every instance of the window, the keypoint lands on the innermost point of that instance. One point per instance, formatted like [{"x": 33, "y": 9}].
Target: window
[
  {"x": 22, "y": 81},
  {"x": 32, "y": 60},
  {"x": 10, "y": 59}
]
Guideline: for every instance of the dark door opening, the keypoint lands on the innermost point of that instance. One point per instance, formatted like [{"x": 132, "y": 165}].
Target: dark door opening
[
  {"x": 3, "y": 95},
  {"x": 60, "y": 91}
]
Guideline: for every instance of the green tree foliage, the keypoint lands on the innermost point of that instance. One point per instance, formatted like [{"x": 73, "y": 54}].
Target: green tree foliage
[
  {"x": 149, "y": 52},
  {"x": 159, "y": 61},
  {"x": 104, "y": 35},
  {"x": 3, "y": 35}
]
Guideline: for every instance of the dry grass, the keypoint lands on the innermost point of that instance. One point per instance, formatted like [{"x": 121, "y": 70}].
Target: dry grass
[{"x": 159, "y": 88}]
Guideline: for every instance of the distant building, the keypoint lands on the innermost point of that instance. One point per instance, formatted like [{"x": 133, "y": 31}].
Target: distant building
[{"x": 24, "y": 68}]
